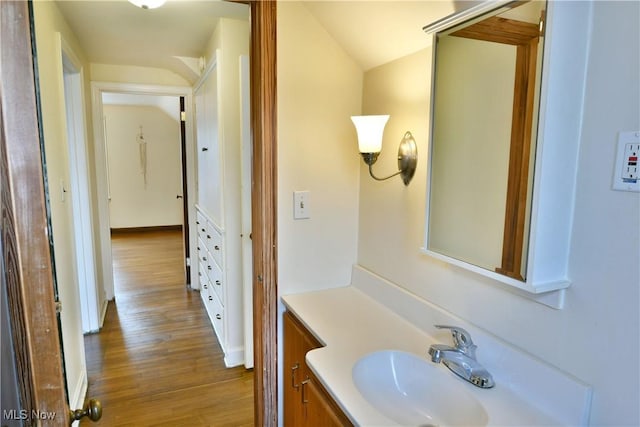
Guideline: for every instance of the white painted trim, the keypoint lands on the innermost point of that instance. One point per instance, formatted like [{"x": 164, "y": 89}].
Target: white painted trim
[
  {"x": 103, "y": 312},
  {"x": 98, "y": 88},
  {"x": 464, "y": 16},
  {"x": 234, "y": 357},
  {"x": 79, "y": 391},
  {"x": 245, "y": 188},
  {"x": 205, "y": 74},
  {"x": 80, "y": 185}
]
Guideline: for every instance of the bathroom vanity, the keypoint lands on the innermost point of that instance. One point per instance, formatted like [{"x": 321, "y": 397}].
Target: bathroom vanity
[{"x": 328, "y": 333}]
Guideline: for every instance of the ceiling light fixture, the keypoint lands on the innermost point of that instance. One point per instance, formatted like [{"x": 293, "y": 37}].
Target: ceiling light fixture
[{"x": 147, "y": 4}]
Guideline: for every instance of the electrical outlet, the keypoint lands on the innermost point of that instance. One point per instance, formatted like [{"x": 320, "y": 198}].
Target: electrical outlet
[
  {"x": 630, "y": 162},
  {"x": 625, "y": 173},
  {"x": 301, "y": 208}
]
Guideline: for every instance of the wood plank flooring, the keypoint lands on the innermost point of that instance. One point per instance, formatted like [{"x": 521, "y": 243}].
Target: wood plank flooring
[{"x": 157, "y": 361}]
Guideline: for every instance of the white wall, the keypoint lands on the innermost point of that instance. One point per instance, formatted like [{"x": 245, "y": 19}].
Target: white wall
[
  {"x": 319, "y": 88},
  {"x": 596, "y": 336},
  {"x": 48, "y": 21},
  {"x": 134, "y": 202}
]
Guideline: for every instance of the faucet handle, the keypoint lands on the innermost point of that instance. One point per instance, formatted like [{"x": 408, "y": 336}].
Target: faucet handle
[{"x": 461, "y": 339}]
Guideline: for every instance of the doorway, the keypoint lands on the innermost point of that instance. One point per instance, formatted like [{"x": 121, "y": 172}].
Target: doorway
[
  {"x": 146, "y": 165},
  {"x": 45, "y": 378}
]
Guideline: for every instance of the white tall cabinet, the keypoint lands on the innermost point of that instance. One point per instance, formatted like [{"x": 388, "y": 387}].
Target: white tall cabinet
[{"x": 218, "y": 269}]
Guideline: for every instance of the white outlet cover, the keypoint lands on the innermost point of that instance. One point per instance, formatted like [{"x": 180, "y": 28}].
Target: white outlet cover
[{"x": 620, "y": 183}]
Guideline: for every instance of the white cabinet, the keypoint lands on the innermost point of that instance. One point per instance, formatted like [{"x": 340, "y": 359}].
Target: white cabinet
[
  {"x": 219, "y": 208},
  {"x": 220, "y": 289}
]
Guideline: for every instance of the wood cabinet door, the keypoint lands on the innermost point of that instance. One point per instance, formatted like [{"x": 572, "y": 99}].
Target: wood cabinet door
[
  {"x": 319, "y": 409},
  {"x": 306, "y": 403},
  {"x": 295, "y": 349}
]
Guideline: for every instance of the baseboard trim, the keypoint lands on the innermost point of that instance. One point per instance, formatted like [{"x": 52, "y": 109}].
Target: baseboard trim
[{"x": 146, "y": 229}]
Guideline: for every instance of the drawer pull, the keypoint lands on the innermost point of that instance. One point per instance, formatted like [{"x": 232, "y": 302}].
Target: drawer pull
[
  {"x": 218, "y": 282},
  {"x": 198, "y": 247},
  {"x": 205, "y": 286},
  {"x": 218, "y": 316},
  {"x": 304, "y": 395},
  {"x": 209, "y": 267},
  {"x": 294, "y": 370},
  {"x": 205, "y": 148},
  {"x": 210, "y": 298},
  {"x": 216, "y": 247},
  {"x": 208, "y": 236}
]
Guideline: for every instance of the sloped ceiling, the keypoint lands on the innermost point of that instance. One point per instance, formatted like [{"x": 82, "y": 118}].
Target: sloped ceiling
[
  {"x": 376, "y": 32},
  {"x": 373, "y": 32},
  {"x": 117, "y": 32}
]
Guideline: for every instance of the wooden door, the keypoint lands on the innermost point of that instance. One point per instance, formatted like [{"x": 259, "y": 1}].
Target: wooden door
[
  {"x": 184, "y": 195},
  {"x": 26, "y": 248}
]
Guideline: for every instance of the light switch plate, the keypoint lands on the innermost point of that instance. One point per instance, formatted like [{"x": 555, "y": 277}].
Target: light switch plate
[
  {"x": 301, "y": 207},
  {"x": 626, "y": 175}
]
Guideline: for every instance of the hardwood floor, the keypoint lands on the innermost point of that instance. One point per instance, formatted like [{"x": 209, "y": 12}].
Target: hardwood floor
[{"x": 157, "y": 362}]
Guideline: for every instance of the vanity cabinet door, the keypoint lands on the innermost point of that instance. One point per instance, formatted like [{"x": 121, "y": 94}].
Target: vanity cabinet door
[
  {"x": 319, "y": 409},
  {"x": 296, "y": 345},
  {"x": 306, "y": 403}
]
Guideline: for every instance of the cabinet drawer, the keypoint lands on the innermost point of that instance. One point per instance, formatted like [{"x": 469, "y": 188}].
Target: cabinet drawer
[
  {"x": 205, "y": 289},
  {"x": 214, "y": 244},
  {"x": 216, "y": 312},
  {"x": 202, "y": 251},
  {"x": 200, "y": 220},
  {"x": 217, "y": 282}
]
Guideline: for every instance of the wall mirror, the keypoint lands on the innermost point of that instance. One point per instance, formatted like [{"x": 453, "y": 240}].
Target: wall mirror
[
  {"x": 486, "y": 81},
  {"x": 503, "y": 149}
]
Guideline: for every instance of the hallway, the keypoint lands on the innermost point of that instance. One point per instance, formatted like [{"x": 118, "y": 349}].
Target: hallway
[{"x": 157, "y": 362}]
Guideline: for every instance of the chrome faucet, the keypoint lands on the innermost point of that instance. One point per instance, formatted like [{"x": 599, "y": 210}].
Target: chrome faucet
[{"x": 461, "y": 359}]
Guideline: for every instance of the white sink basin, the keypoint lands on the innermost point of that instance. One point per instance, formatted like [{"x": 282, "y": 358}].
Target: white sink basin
[{"x": 411, "y": 391}]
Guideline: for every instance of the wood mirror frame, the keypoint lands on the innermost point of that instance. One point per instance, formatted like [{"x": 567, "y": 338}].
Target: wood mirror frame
[{"x": 525, "y": 37}]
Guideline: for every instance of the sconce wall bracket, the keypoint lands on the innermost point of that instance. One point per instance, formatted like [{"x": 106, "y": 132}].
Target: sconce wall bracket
[{"x": 407, "y": 160}]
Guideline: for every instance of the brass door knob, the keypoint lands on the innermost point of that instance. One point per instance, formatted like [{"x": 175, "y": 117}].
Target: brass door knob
[{"x": 92, "y": 410}]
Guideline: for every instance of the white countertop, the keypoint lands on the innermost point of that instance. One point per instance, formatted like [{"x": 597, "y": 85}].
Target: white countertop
[{"x": 351, "y": 325}]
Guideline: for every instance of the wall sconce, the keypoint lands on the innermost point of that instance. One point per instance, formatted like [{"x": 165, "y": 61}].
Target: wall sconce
[
  {"x": 147, "y": 4},
  {"x": 370, "y": 130}
]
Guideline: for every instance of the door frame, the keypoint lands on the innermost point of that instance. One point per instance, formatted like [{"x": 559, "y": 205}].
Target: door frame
[
  {"x": 27, "y": 254},
  {"x": 102, "y": 173},
  {"x": 80, "y": 182},
  {"x": 263, "y": 76}
]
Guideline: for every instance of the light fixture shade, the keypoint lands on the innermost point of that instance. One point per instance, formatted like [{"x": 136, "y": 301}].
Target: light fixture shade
[
  {"x": 148, "y": 4},
  {"x": 370, "y": 130}
]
